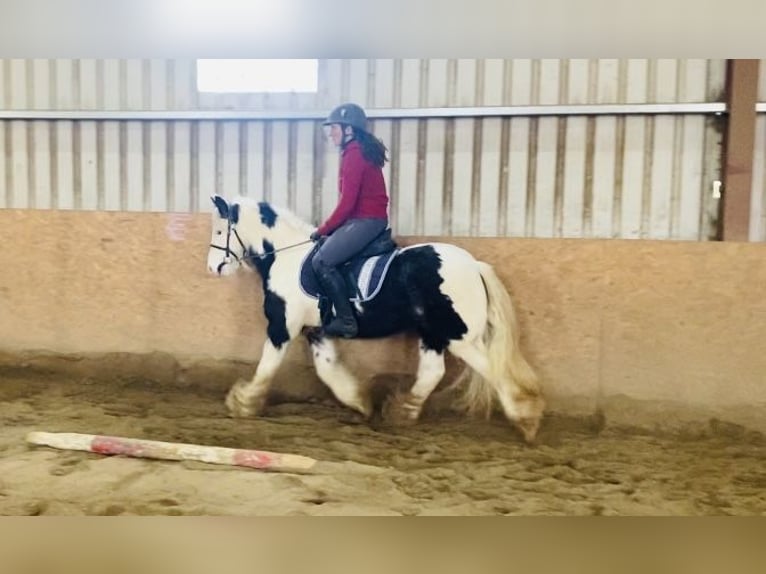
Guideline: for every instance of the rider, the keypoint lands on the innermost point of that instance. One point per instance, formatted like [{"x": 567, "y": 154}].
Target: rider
[{"x": 361, "y": 213}]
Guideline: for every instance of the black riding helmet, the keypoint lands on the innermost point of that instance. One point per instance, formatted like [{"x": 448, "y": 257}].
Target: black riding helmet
[{"x": 349, "y": 115}]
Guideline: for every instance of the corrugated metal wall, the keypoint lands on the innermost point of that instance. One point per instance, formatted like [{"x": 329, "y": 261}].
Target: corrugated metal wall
[
  {"x": 600, "y": 176},
  {"x": 758, "y": 197},
  {"x": 171, "y": 84}
]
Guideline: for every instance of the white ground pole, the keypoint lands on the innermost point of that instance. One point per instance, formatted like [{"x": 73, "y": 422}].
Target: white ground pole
[{"x": 112, "y": 445}]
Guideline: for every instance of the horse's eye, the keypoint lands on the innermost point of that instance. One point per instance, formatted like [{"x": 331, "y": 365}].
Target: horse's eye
[{"x": 219, "y": 232}]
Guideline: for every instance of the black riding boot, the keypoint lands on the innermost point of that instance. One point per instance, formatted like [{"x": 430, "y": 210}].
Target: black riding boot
[{"x": 344, "y": 323}]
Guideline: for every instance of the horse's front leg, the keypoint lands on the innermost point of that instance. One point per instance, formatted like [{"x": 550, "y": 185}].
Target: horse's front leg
[
  {"x": 247, "y": 398},
  {"x": 284, "y": 319},
  {"x": 344, "y": 385}
]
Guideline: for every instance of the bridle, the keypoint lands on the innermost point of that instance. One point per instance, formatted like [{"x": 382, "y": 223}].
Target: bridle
[
  {"x": 246, "y": 257},
  {"x": 228, "y": 253}
]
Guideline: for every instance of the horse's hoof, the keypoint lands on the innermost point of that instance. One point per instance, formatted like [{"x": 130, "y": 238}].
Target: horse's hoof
[
  {"x": 240, "y": 406},
  {"x": 364, "y": 407},
  {"x": 529, "y": 413},
  {"x": 400, "y": 410},
  {"x": 352, "y": 417},
  {"x": 528, "y": 427}
]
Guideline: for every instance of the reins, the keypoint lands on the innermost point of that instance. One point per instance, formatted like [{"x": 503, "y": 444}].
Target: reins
[
  {"x": 250, "y": 256},
  {"x": 265, "y": 253}
]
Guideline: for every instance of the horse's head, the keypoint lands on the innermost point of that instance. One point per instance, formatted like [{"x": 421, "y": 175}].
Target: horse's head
[
  {"x": 244, "y": 229},
  {"x": 227, "y": 249}
]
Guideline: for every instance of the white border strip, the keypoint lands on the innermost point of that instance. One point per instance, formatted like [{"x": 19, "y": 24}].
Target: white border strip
[{"x": 394, "y": 113}]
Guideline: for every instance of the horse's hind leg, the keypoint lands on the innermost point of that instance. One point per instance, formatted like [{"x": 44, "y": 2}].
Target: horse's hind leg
[
  {"x": 519, "y": 406},
  {"x": 346, "y": 388},
  {"x": 407, "y": 407},
  {"x": 247, "y": 398}
]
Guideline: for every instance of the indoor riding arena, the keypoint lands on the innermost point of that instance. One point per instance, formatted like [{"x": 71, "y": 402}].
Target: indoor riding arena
[{"x": 621, "y": 202}]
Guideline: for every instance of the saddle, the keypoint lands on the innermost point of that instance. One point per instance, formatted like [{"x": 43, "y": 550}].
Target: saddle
[{"x": 363, "y": 273}]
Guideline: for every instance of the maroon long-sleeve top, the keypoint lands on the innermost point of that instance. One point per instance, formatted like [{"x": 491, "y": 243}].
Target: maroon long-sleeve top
[{"x": 362, "y": 190}]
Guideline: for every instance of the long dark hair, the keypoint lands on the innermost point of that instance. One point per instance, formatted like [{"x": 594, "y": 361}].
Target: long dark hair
[{"x": 373, "y": 149}]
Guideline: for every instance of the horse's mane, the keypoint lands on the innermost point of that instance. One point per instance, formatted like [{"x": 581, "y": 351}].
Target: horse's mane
[{"x": 284, "y": 215}]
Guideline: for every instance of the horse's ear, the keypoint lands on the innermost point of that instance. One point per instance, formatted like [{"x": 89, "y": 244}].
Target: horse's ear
[
  {"x": 221, "y": 206},
  {"x": 268, "y": 215},
  {"x": 234, "y": 213}
]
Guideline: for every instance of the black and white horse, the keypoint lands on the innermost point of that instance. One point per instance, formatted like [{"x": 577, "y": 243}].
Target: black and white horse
[{"x": 436, "y": 290}]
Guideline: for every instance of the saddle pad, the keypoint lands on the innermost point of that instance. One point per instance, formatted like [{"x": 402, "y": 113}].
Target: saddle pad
[{"x": 367, "y": 274}]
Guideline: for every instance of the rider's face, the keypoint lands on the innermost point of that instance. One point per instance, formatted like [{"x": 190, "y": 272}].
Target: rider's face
[{"x": 336, "y": 134}]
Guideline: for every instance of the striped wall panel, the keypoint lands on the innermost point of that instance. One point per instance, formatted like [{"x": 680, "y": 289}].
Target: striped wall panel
[
  {"x": 638, "y": 177},
  {"x": 590, "y": 176},
  {"x": 132, "y": 85}
]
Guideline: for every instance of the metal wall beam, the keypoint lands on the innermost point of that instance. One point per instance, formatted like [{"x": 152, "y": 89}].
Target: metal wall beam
[
  {"x": 381, "y": 113},
  {"x": 738, "y": 146}
]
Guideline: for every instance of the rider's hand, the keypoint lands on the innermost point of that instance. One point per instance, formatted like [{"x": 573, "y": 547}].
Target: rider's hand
[{"x": 314, "y": 236}]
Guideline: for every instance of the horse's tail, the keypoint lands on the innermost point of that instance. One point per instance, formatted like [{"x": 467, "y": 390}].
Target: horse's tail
[{"x": 501, "y": 340}]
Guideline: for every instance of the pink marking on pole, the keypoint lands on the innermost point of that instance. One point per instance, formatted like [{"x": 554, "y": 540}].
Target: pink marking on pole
[
  {"x": 108, "y": 445},
  {"x": 252, "y": 458}
]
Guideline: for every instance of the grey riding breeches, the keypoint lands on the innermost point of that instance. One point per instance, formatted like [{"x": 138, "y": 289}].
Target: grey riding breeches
[{"x": 348, "y": 240}]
